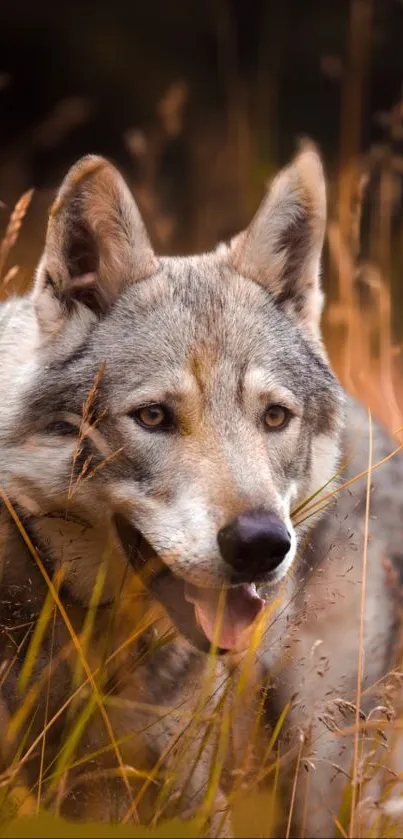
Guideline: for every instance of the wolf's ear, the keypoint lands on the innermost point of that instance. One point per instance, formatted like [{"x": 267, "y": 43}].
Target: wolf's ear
[
  {"x": 96, "y": 244},
  {"x": 281, "y": 248}
]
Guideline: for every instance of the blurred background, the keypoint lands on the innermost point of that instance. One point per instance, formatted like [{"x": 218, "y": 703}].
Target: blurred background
[{"x": 199, "y": 104}]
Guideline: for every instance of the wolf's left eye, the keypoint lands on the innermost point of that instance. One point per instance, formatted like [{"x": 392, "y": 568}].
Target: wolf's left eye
[
  {"x": 277, "y": 417},
  {"x": 153, "y": 417}
]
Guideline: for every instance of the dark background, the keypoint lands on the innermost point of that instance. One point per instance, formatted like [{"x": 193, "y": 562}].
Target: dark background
[
  {"x": 198, "y": 103},
  {"x": 122, "y": 56}
]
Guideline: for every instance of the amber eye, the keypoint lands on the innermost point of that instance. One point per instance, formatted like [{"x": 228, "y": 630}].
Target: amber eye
[
  {"x": 153, "y": 417},
  {"x": 277, "y": 417}
]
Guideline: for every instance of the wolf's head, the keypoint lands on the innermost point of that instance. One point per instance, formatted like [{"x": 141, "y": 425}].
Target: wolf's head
[{"x": 215, "y": 390}]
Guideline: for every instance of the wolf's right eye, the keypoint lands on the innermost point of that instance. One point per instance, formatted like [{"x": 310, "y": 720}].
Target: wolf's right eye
[
  {"x": 277, "y": 417},
  {"x": 153, "y": 417}
]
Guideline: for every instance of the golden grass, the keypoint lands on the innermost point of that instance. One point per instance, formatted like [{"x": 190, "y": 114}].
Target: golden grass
[
  {"x": 12, "y": 232},
  {"x": 360, "y": 664}
]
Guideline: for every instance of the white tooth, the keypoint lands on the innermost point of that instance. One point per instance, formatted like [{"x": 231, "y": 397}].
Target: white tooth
[{"x": 253, "y": 589}]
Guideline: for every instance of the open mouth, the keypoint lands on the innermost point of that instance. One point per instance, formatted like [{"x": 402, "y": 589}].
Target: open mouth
[
  {"x": 206, "y": 617},
  {"x": 226, "y": 619}
]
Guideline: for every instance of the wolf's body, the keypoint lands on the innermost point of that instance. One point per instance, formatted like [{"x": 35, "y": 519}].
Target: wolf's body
[{"x": 215, "y": 340}]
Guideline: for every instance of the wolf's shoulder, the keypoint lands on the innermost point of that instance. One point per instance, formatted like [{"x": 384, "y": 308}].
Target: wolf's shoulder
[
  {"x": 368, "y": 444},
  {"x": 15, "y": 312},
  {"x": 18, "y": 338},
  {"x": 366, "y": 441}
]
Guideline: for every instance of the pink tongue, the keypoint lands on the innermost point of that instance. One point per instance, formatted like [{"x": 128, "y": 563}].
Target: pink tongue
[{"x": 226, "y": 621}]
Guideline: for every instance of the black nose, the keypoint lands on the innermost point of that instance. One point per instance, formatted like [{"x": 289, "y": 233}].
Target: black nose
[{"x": 254, "y": 544}]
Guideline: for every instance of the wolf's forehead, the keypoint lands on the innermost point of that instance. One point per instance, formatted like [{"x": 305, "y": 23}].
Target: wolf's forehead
[
  {"x": 195, "y": 302},
  {"x": 202, "y": 324}
]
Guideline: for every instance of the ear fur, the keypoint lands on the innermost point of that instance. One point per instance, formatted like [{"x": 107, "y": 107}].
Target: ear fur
[
  {"x": 96, "y": 244},
  {"x": 281, "y": 248}
]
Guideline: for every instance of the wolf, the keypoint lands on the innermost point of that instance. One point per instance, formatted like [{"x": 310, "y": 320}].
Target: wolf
[{"x": 182, "y": 476}]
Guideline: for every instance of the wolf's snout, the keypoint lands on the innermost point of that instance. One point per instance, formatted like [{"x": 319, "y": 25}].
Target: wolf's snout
[{"x": 254, "y": 544}]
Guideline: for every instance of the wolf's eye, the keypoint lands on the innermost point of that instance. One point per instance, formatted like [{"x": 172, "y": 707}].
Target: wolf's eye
[
  {"x": 277, "y": 417},
  {"x": 153, "y": 417}
]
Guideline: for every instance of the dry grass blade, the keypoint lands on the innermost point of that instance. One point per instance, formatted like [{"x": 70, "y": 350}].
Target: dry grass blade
[
  {"x": 360, "y": 663},
  {"x": 9, "y": 276},
  {"x": 294, "y": 786},
  {"x": 14, "y": 227},
  {"x": 88, "y": 428},
  {"x": 47, "y": 700},
  {"x": 313, "y": 508},
  {"x": 31, "y": 656}
]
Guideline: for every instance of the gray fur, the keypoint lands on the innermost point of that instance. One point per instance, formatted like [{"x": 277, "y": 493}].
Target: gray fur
[{"x": 218, "y": 337}]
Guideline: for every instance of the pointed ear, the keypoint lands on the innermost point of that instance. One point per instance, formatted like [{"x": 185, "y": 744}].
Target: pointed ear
[
  {"x": 96, "y": 245},
  {"x": 281, "y": 248}
]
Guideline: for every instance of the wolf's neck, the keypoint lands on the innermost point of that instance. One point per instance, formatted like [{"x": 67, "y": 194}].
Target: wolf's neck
[{"x": 88, "y": 557}]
